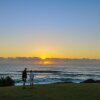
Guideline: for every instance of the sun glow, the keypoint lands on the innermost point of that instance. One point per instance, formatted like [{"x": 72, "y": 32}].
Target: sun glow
[
  {"x": 46, "y": 62},
  {"x": 43, "y": 57}
]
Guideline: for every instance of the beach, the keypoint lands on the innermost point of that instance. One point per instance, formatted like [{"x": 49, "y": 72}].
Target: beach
[{"x": 58, "y": 91}]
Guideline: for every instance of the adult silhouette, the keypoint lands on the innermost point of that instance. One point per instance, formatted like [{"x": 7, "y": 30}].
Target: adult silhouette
[{"x": 24, "y": 77}]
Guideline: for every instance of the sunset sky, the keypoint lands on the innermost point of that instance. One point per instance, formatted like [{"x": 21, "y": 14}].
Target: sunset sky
[{"x": 50, "y": 28}]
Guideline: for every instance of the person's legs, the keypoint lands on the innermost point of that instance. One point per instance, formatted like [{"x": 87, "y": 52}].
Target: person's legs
[
  {"x": 31, "y": 83},
  {"x": 24, "y": 80}
]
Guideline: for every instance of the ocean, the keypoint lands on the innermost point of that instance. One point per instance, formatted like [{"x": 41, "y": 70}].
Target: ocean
[{"x": 47, "y": 74}]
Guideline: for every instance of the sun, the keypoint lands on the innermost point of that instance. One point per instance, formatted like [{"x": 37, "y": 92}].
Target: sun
[
  {"x": 43, "y": 57},
  {"x": 45, "y": 61}
]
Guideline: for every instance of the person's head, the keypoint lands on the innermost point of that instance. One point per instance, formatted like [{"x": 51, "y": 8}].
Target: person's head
[{"x": 25, "y": 69}]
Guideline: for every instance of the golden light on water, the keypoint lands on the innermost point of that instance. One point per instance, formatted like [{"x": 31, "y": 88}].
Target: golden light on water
[{"x": 47, "y": 62}]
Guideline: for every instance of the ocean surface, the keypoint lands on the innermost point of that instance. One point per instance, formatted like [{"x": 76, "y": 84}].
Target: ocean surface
[{"x": 46, "y": 74}]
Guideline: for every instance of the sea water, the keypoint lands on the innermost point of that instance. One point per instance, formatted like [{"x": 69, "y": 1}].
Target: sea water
[{"x": 46, "y": 74}]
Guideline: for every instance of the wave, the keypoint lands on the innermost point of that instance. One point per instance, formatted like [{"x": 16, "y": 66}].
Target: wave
[{"x": 47, "y": 77}]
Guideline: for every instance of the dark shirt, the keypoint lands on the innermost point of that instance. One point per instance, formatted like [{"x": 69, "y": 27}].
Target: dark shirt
[{"x": 24, "y": 74}]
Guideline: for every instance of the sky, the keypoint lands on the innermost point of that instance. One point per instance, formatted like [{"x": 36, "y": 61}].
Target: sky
[{"x": 50, "y": 28}]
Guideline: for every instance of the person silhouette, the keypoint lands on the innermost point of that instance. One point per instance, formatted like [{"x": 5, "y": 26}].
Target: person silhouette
[
  {"x": 24, "y": 77},
  {"x": 31, "y": 78}
]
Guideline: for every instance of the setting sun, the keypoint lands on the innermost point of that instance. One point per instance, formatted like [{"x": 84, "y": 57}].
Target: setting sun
[
  {"x": 44, "y": 54},
  {"x": 43, "y": 57}
]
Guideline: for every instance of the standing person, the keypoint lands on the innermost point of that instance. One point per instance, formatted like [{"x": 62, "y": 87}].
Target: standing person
[
  {"x": 24, "y": 77},
  {"x": 31, "y": 78}
]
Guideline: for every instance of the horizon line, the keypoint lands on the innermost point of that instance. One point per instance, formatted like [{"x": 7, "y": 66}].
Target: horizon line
[{"x": 49, "y": 57}]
